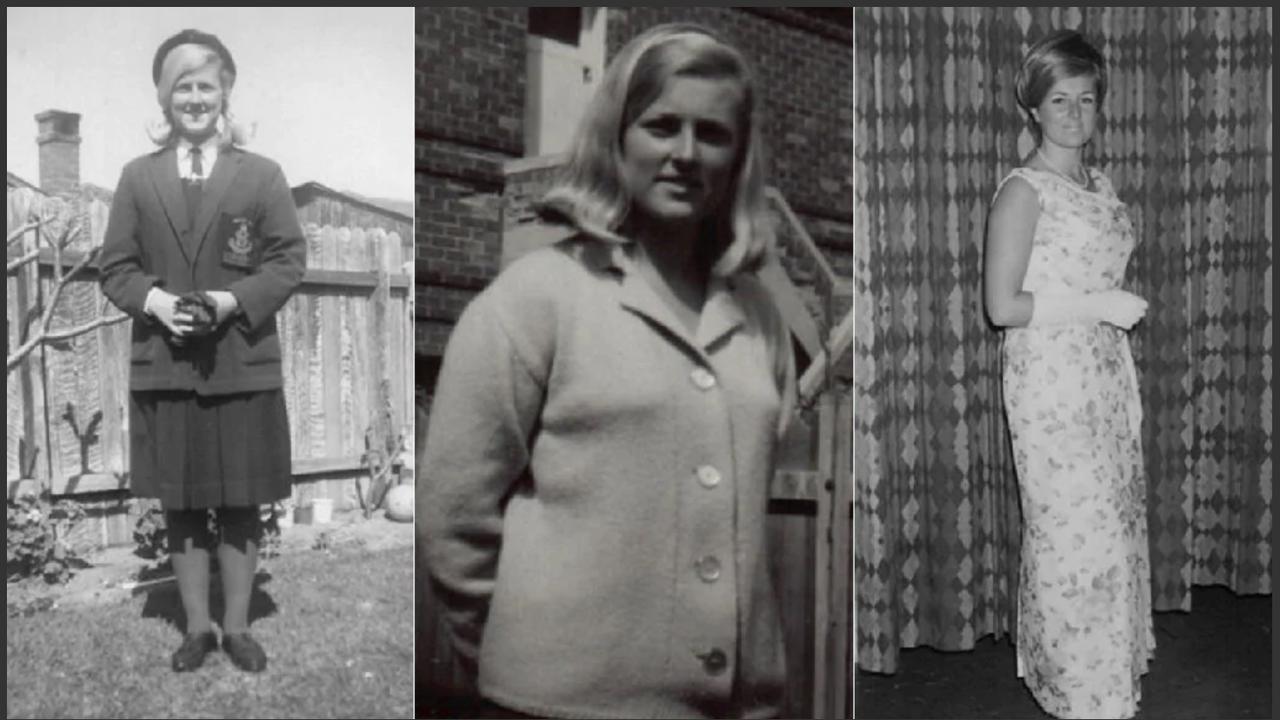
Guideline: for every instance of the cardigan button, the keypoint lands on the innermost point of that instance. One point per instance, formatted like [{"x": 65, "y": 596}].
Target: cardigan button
[
  {"x": 708, "y": 568},
  {"x": 715, "y": 661},
  {"x": 703, "y": 378},
  {"x": 708, "y": 476}
]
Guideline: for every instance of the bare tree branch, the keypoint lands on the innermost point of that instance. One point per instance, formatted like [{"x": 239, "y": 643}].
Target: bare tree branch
[
  {"x": 103, "y": 321},
  {"x": 15, "y": 265},
  {"x": 23, "y": 231},
  {"x": 60, "y": 280},
  {"x": 16, "y": 235},
  {"x": 69, "y": 231}
]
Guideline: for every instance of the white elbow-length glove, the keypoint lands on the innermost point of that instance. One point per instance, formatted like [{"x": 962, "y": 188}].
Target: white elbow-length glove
[{"x": 1116, "y": 307}]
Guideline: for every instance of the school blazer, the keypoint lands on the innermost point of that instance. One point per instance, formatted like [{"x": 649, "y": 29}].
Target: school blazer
[{"x": 246, "y": 239}]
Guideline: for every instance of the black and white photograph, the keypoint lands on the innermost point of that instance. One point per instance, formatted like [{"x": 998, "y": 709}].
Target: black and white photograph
[
  {"x": 634, "y": 337},
  {"x": 1063, "y": 439},
  {"x": 209, "y": 335},
  {"x": 639, "y": 362}
]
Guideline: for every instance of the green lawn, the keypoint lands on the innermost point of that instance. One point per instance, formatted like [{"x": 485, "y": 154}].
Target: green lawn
[{"x": 337, "y": 628}]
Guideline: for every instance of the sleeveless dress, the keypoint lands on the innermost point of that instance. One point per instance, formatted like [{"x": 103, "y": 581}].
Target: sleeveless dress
[{"x": 1084, "y": 625}]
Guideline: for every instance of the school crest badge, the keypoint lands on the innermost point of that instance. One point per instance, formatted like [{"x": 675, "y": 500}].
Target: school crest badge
[{"x": 238, "y": 247}]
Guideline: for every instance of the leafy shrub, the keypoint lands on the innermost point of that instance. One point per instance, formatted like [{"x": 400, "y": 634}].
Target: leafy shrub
[
  {"x": 150, "y": 534},
  {"x": 269, "y": 546},
  {"x": 37, "y": 531}
]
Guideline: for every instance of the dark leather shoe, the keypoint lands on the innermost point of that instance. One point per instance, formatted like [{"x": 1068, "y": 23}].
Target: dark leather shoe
[
  {"x": 190, "y": 654},
  {"x": 245, "y": 652}
]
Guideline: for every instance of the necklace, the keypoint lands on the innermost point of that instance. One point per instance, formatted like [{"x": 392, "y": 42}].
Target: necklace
[{"x": 1054, "y": 167}]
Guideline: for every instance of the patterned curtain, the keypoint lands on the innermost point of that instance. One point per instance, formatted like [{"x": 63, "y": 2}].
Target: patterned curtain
[{"x": 1186, "y": 138}]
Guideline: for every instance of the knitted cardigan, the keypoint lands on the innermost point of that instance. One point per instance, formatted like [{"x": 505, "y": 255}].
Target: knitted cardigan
[{"x": 593, "y": 506}]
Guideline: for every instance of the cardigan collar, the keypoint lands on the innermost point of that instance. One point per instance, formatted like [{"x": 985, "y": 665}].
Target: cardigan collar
[{"x": 721, "y": 314}]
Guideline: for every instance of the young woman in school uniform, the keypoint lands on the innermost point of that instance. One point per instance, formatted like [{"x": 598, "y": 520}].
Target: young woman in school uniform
[{"x": 203, "y": 246}]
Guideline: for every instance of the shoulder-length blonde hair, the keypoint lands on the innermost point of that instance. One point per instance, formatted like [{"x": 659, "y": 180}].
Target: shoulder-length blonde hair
[
  {"x": 180, "y": 61},
  {"x": 589, "y": 193}
]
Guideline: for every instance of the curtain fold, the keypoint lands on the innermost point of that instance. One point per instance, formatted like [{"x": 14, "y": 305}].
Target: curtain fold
[{"x": 1185, "y": 137}]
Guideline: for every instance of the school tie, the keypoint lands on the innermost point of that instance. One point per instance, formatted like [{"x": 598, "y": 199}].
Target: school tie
[
  {"x": 197, "y": 164},
  {"x": 192, "y": 186}
]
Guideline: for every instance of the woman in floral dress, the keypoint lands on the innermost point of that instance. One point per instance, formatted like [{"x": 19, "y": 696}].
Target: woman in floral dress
[{"x": 1058, "y": 243}]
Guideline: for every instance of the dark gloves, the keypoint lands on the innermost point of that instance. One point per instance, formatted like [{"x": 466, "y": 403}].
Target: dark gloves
[{"x": 203, "y": 311}]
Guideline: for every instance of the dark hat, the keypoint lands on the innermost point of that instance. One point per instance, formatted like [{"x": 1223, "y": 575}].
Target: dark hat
[{"x": 194, "y": 37}]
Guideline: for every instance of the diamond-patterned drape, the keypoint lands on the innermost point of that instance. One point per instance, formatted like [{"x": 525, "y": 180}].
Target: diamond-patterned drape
[{"x": 1186, "y": 138}]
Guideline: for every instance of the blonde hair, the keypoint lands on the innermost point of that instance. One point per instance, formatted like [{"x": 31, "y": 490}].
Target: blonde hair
[
  {"x": 180, "y": 61},
  {"x": 589, "y": 193}
]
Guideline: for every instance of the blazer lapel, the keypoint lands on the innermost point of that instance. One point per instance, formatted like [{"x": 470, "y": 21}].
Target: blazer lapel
[
  {"x": 224, "y": 171},
  {"x": 168, "y": 187}
]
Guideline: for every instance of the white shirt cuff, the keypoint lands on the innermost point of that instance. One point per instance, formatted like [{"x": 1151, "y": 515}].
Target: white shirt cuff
[{"x": 146, "y": 304}]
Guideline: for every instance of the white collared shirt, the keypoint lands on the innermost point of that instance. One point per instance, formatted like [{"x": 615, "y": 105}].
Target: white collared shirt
[{"x": 208, "y": 156}]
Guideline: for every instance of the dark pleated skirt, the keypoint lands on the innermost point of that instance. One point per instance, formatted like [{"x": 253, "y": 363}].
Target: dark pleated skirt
[{"x": 192, "y": 451}]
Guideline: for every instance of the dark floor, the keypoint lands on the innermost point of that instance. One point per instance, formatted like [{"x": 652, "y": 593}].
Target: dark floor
[{"x": 1214, "y": 662}]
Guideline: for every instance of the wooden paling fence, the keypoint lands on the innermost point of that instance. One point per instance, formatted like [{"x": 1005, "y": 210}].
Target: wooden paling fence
[
  {"x": 65, "y": 418},
  {"x": 346, "y": 340}
]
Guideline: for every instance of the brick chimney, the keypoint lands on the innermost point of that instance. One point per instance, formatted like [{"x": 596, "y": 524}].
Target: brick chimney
[{"x": 59, "y": 141}]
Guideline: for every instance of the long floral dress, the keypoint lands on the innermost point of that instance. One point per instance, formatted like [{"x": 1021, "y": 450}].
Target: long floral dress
[{"x": 1084, "y": 628}]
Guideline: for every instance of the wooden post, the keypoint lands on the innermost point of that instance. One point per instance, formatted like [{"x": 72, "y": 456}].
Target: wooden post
[
  {"x": 35, "y": 377},
  {"x": 842, "y": 555},
  {"x": 381, "y": 416},
  {"x": 400, "y": 353},
  {"x": 331, "y": 306},
  {"x": 22, "y": 206},
  {"x": 115, "y": 341},
  {"x": 822, "y": 658}
]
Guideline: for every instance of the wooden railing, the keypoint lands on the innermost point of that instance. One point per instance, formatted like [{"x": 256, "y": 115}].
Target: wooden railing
[
  {"x": 800, "y": 243},
  {"x": 830, "y": 484},
  {"x": 835, "y": 349}
]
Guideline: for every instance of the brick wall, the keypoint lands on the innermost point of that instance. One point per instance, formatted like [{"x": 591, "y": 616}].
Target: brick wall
[
  {"x": 470, "y": 75},
  {"x": 58, "y": 137},
  {"x": 466, "y": 232},
  {"x": 470, "y": 112},
  {"x": 525, "y": 185},
  {"x": 60, "y": 167}
]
